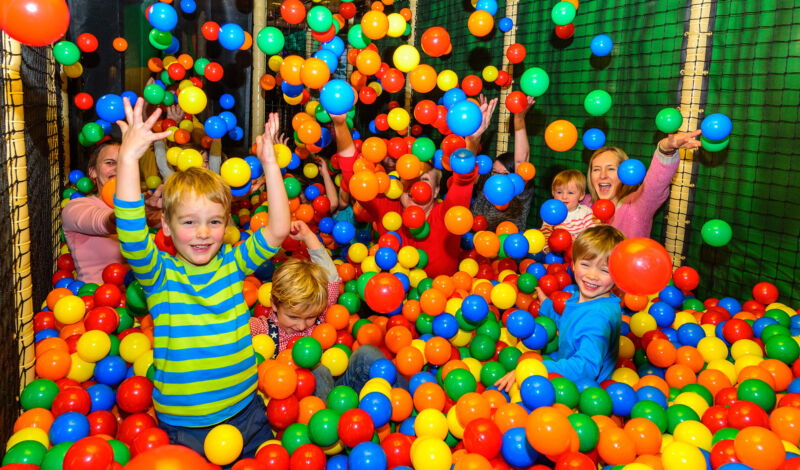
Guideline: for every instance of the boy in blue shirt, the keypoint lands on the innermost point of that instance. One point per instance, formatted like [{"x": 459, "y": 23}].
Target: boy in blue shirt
[
  {"x": 205, "y": 365},
  {"x": 589, "y": 328}
]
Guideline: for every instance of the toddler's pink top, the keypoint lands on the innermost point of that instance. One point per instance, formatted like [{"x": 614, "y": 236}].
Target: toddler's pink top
[{"x": 92, "y": 246}]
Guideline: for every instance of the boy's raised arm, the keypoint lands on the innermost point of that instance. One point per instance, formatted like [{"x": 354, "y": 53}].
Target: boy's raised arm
[
  {"x": 277, "y": 228},
  {"x": 137, "y": 136}
]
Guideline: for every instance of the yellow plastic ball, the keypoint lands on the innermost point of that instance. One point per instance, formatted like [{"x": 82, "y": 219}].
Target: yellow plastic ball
[
  {"x": 474, "y": 366},
  {"x": 274, "y": 63},
  {"x": 264, "y": 345},
  {"x": 725, "y": 367},
  {"x": 283, "y": 155},
  {"x": 153, "y": 181},
  {"x": 186, "y": 125},
  {"x": 334, "y": 449},
  {"x": 398, "y": 118},
  {"x": 69, "y": 309},
  {"x": 235, "y": 171},
  {"x": 416, "y": 276},
  {"x": 528, "y": 368},
  {"x": 745, "y": 347},
  {"x": 406, "y": 58},
  {"x": 293, "y": 100},
  {"x": 452, "y": 305},
  {"x": 143, "y": 363},
  {"x": 694, "y": 433},
  {"x": 73, "y": 71},
  {"x": 192, "y": 100},
  {"x": 431, "y": 454},
  {"x": 311, "y": 107},
  {"x": 392, "y": 221},
  {"x": 189, "y": 158},
  {"x": 641, "y": 323},
  {"x": 172, "y": 130},
  {"x": 682, "y": 318},
  {"x": 712, "y": 348},
  {"x": 692, "y": 400},
  {"x": 746, "y": 361},
  {"x": 397, "y": 26},
  {"x": 626, "y": 376},
  {"x": 29, "y": 434},
  {"x": 682, "y": 456},
  {"x": 93, "y": 345},
  {"x": 626, "y": 347},
  {"x": 507, "y": 337},
  {"x": 455, "y": 427},
  {"x": 431, "y": 422},
  {"x": 184, "y": 84},
  {"x": 265, "y": 295},
  {"x": 489, "y": 73},
  {"x": 336, "y": 360},
  {"x": 310, "y": 170},
  {"x": 536, "y": 241},
  {"x": 223, "y": 444},
  {"x": 469, "y": 266},
  {"x": 407, "y": 256},
  {"x": 395, "y": 189},
  {"x": 357, "y": 252},
  {"x": 462, "y": 338},
  {"x": 504, "y": 274},
  {"x": 80, "y": 370},
  {"x": 134, "y": 345},
  {"x": 446, "y": 80},
  {"x": 503, "y": 296},
  {"x": 232, "y": 235},
  {"x": 172, "y": 155}
]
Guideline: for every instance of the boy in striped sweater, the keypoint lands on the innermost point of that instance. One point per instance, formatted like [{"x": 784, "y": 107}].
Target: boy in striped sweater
[
  {"x": 205, "y": 365},
  {"x": 569, "y": 187}
]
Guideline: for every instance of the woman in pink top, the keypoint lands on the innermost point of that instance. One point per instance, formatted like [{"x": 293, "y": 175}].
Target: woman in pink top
[
  {"x": 636, "y": 205},
  {"x": 89, "y": 223}
]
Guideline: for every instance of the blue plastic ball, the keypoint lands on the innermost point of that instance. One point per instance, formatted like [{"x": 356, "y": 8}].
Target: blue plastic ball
[
  {"x": 103, "y": 397},
  {"x": 132, "y": 96},
  {"x": 63, "y": 283},
  {"x": 516, "y": 246},
  {"x": 519, "y": 183},
  {"x": 553, "y": 211},
  {"x": 290, "y": 90},
  {"x": 672, "y": 296},
  {"x": 499, "y": 190},
  {"x": 336, "y": 462},
  {"x": 593, "y": 139},
  {"x": 163, "y": 17},
  {"x": 505, "y": 24},
  {"x": 69, "y": 427},
  {"x": 330, "y": 59},
  {"x": 623, "y": 397},
  {"x": 231, "y": 36},
  {"x": 256, "y": 169},
  {"x": 236, "y": 134},
  {"x": 173, "y": 46},
  {"x": 631, "y": 172},
  {"x": 452, "y": 97},
  {"x": 462, "y": 161},
  {"x": 335, "y": 45},
  {"x": 520, "y": 324},
  {"x": 215, "y": 127},
  {"x": 188, "y": 6},
  {"x": 537, "y": 391},
  {"x": 325, "y": 138},
  {"x": 464, "y": 118},
  {"x": 229, "y": 118},
  {"x": 326, "y": 225},
  {"x": 227, "y": 101},
  {"x": 445, "y": 325},
  {"x": 716, "y": 126},
  {"x": 538, "y": 339},
  {"x": 386, "y": 258},
  {"x": 378, "y": 407},
  {"x": 337, "y": 97},
  {"x": 487, "y": 5},
  {"x": 264, "y": 271},
  {"x": 384, "y": 369},
  {"x": 294, "y": 163},
  {"x": 110, "y": 370},
  {"x": 368, "y": 456},
  {"x": 484, "y": 163},
  {"x": 601, "y": 45},
  {"x": 343, "y": 232},
  {"x": 537, "y": 269},
  {"x": 730, "y": 304},
  {"x": 110, "y": 108},
  {"x": 516, "y": 449},
  {"x": 418, "y": 379},
  {"x": 648, "y": 392},
  {"x": 663, "y": 313}
]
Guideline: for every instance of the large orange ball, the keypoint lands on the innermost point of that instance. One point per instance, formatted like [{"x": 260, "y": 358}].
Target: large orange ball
[
  {"x": 759, "y": 448},
  {"x": 480, "y": 23},
  {"x": 561, "y": 135},
  {"x": 374, "y": 25},
  {"x": 458, "y": 220},
  {"x": 364, "y": 186},
  {"x": 368, "y": 62},
  {"x": 548, "y": 431},
  {"x": 291, "y": 69},
  {"x": 315, "y": 73},
  {"x": 423, "y": 78},
  {"x": 640, "y": 266}
]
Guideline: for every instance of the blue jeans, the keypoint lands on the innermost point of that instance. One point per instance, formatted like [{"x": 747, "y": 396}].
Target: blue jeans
[
  {"x": 251, "y": 422},
  {"x": 356, "y": 375}
]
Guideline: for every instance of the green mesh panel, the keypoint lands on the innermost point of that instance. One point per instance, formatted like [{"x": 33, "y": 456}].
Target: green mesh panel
[{"x": 754, "y": 78}]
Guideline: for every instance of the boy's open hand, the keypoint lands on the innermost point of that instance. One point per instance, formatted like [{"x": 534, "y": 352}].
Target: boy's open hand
[
  {"x": 138, "y": 135},
  {"x": 266, "y": 141},
  {"x": 506, "y": 382}
]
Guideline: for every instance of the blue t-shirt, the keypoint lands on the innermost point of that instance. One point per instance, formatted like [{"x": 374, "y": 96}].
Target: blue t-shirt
[{"x": 588, "y": 337}]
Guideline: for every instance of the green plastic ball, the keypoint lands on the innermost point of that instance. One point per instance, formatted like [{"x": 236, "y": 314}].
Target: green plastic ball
[
  {"x": 38, "y": 394},
  {"x": 527, "y": 283},
  {"x": 295, "y": 436},
  {"x": 783, "y": 348},
  {"x": 87, "y": 289},
  {"x": 350, "y": 301},
  {"x": 724, "y": 434},
  {"x": 306, "y": 352},
  {"x": 458, "y": 382},
  {"x": 566, "y": 392},
  {"x": 323, "y": 427},
  {"x": 270, "y": 40},
  {"x": 54, "y": 457},
  {"x": 714, "y": 145},
  {"x": 597, "y": 102},
  {"x": 716, "y": 232},
  {"x": 534, "y": 82},
  {"x": 676, "y": 414},
  {"x": 342, "y": 398},
  {"x": 509, "y": 358},
  {"x": 135, "y": 300},
  {"x": 357, "y": 38},
  {"x": 587, "y": 430},
  {"x": 200, "y": 66},
  {"x": 758, "y": 392},
  {"x": 490, "y": 328},
  {"x": 491, "y": 372},
  {"x": 423, "y": 148},
  {"x": 549, "y": 326},
  {"x": 424, "y": 324},
  {"x": 423, "y": 258},
  {"x": 362, "y": 283},
  {"x": 125, "y": 320},
  {"x": 154, "y": 94},
  {"x": 122, "y": 454},
  {"x": 25, "y": 452},
  {"x": 482, "y": 347},
  {"x": 595, "y": 401},
  {"x": 319, "y": 19},
  {"x": 563, "y": 13},
  {"x": 293, "y": 187},
  {"x": 648, "y": 409},
  {"x": 93, "y": 132},
  {"x": 66, "y": 53},
  {"x": 85, "y": 185},
  {"x": 669, "y": 120}
]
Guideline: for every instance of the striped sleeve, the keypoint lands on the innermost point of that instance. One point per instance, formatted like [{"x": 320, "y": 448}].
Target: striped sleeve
[
  {"x": 137, "y": 246},
  {"x": 249, "y": 255}
]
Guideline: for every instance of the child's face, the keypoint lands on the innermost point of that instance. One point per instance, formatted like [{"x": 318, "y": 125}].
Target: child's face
[
  {"x": 106, "y": 166},
  {"x": 569, "y": 194},
  {"x": 294, "y": 322},
  {"x": 197, "y": 228},
  {"x": 593, "y": 278}
]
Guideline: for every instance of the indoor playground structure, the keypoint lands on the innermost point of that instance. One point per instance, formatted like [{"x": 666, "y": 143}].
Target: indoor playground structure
[{"x": 708, "y": 368}]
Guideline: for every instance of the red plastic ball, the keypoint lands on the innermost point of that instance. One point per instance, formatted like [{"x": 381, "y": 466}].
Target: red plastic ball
[
  {"x": 72, "y": 399},
  {"x": 282, "y": 413},
  {"x": 306, "y": 383},
  {"x": 133, "y": 425},
  {"x": 107, "y": 295},
  {"x": 560, "y": 240},
  {"x": 210, "y": 30},
  {"x": 397, "y": 447},
  {"x": 135, "y": 394},
  {"x": 89, "y": 453},
  {"x": 355, "y": 426},
  {"x": 723, "y": 452},
  {"x": 686, "y": 278},
  {"x": 715, "y": 418},
  {"x": 307, "y": 457},
  {"x": 765, "y": 293},
  {"x": 640, "y": 266},
  {"x": 472, "y": 85},
  {"x": 421, "y": 192},
  {"x": 414, "y": 217},
  {"x": 274, "y": 457},
  {"x": 44, "y": 321},
  {"x": 516, "y": 53},
  {"x": 86, "y": 42},
  {"x": 105, "y": 319},
  {"x": 149, "y": 439},
  {"x": 84, "y": 101},
  {"x": 115, "y": 273},
  {"x": 347, "y": 10},
  {"x": 603, "y": 209},
  {"x": 102, "y": 422},
  {"x": 744, "y": 413},
  {"x": 566, "y": 31},
  {"x": 549, "y": 284},
  {"x": 516, "y": 102},
  {"x": 482, "y": 436}
]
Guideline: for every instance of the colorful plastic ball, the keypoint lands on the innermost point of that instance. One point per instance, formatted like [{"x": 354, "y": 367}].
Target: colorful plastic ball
[
  {"x": 499, "y": 189},
  {"x": 563, "y": 13},
  {"x": 593, "y": 139},
  {"x": 640, "y": 266},
  {"x": 162, "y": 17},
  {"x": 716, "y": 232},
  {"x": 534, "y": 81},
  {"x": 505, "y": 24},
  {"x": 631, "y": 172},
  {"x": 536, "y": 392},
  {"x": 337, "y": 97},
  {"x": 716, "y": 127},
  {"x": 714, "y": 145},
  {"x": 560, "y": 135},
  {"x": 306, "y": 352},
  {"x": 516, "y": 246},
  {"x": 231, "y": 36},
  {"x": 66, "y": 53},
  {"x": 193, "y": 100},
  {"x": 601, "y": 45},
  {"x": 516, "y": 450},
  {"x": 669, "y": 120},
  {"x": 431, "y": 453},
  {"x": 368, "y": 456},
  {"x": 553, "y": 211},
  {"x": 378, "y": 407},
  {"x": 597, "y": 102},
  {"x": 69, "y": 427},
  {"x": 464, "y": 118},
  {"x": 270, "y": 40},
  {"x": 223, "y": 444},
  {"x": 343, "y": 232},
  {"x": 109, "y": 108},
  {"x": 355, "y": 426}
]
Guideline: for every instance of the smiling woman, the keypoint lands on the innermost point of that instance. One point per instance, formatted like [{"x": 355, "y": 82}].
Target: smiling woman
[{"x": 635, "y": 205}]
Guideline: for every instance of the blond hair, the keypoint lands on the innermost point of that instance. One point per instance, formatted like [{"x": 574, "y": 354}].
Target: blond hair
[
  {"x": 624, "y": 189},
  {"x": 566, "y": 177},
  {"x": 300, "y": 285},
  {"x": 198, "y": 181},
  {"x": 596, "y": 241}
]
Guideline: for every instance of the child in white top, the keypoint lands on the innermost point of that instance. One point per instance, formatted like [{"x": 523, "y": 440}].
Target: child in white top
[{"x": 569, "y": 187}]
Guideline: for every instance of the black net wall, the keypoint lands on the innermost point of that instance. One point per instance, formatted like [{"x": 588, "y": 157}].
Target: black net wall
[{"x": 754, "y": 78}]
